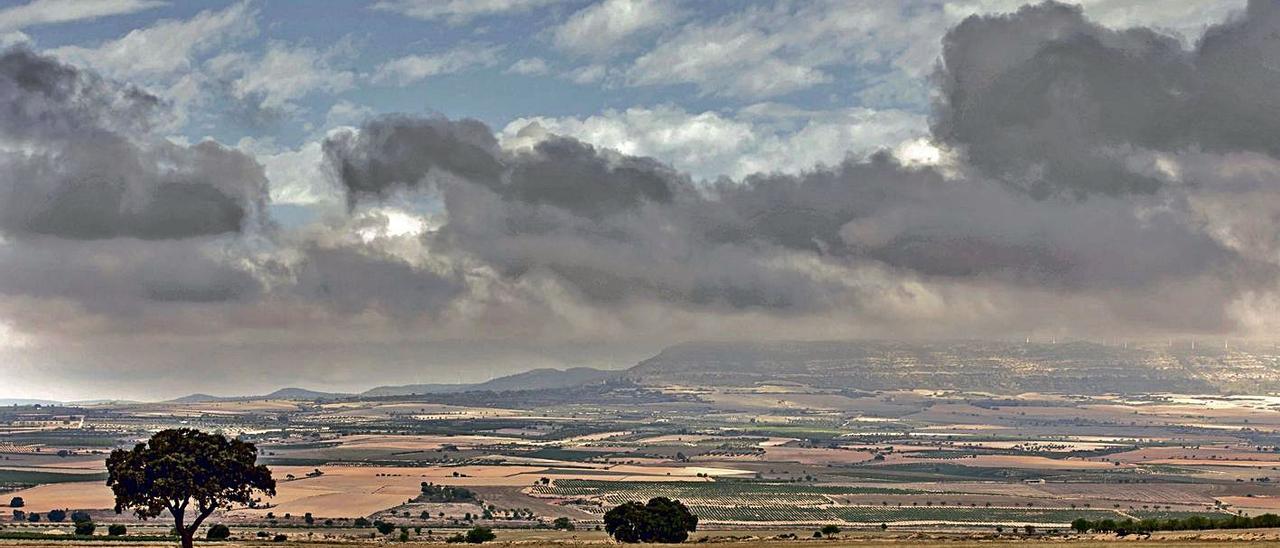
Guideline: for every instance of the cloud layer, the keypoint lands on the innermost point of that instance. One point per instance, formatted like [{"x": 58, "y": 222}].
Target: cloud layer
[{"x": 1075, "y": 179}]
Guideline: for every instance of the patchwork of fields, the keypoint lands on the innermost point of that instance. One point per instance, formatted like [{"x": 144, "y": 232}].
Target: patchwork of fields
[{"x": 740, "y": 459}]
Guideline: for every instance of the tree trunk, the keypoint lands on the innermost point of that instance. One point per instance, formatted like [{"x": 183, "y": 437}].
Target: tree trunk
[{"x": 188, "y": 538}]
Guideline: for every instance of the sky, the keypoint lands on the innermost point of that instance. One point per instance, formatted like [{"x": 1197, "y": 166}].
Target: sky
[{"x": 232, "y": 197}]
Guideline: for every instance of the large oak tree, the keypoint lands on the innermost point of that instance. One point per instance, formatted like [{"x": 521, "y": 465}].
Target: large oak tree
[
  {"x": 660, "y": 520},
  {"x": 186, "y": 472}
]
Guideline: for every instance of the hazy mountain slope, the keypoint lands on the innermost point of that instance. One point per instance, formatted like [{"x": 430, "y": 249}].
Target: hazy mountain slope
[
  {"x": 1076, "y": 367},
  {"x": 537, "y": 379}
]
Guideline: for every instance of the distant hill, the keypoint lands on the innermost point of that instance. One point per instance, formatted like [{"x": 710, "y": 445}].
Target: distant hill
[
  {"x": 977, "y": 366},
  {"x": 303, "y": 394},
  {"x": 537, "y": 379},
  {"x": 23, "y": 401},
  {"x": 199, "y": 398},
  {"x": 299, "y": 394}
]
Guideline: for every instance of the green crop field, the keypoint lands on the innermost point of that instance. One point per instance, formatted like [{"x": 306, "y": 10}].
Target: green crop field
[{"x": 32, "y": 477}]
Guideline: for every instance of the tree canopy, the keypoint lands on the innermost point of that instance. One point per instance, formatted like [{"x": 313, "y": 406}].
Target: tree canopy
[
  {"x": 185, "y": 470},
  {"x": 659, "y": 520}
]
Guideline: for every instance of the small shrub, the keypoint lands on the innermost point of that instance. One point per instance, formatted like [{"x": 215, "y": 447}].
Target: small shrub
[
  {"x": 217, "y": 531},
  {"x": 85, "y": 528},
  {"x": 478, "y": 535},
  {"x": 117, "y": 530}
]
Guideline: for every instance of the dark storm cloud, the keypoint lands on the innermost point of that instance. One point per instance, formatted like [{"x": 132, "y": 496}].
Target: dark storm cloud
[
  {"x": 354, "y": 280},
  {"x": 401, "y": 152},
  {"x": 80, "y": 162},
  {"x": 1057, "y": 118},
  {"x": 1090, "y": 169},
  {"x": 1050, "y": 102},
  {"x": 124, "y": 279},
  {"x": 756, "y": 243}
]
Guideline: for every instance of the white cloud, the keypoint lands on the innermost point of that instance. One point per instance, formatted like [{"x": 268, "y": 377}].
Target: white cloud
[
  {"x": 346, "y": 113},
  {"x": 13, "y": 38},
  {"x": 767, "y": 50},
  {"x": 412, "y": 68},
  {"x": 296, "y": 176},
  {"x": 458, "y": 11},
  {"x": 588, "y": 74},
  {"x": 600, "y": 30},
  {"x": 530, "y": 66},
  {"x": 167, "y": 47},
  {"x": 45, "y": 12},
  {"x": 282, "y": 74},
  {"x": 761, "y": 138}
]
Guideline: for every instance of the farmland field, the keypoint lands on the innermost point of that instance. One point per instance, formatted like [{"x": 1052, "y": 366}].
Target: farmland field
[{"x": 912, "y": 461}]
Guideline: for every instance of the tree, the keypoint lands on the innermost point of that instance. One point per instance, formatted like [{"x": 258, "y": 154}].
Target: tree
[
  {"x": 479, "y": 534},
  {"x": 1080, "y": 525},
  {"x": 217, "y": 531},
  {"x": 185, "y": 469},
  {"x": 79, "y": 516},
  {"x": 85, "y": 528},
  {"x": 17, "y": 502},
  {"x": 384, "y": 527},
  {"x": 660, "y": 520},
  {"x": 57, "y": 515},
  {"x": 117, "y": 530},
  {"x": 830, "y": 529},
  {"x": 562, "y": 523}
]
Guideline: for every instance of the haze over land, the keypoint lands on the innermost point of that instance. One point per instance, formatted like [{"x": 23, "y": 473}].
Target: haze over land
[{"x": 236, "y": 197}]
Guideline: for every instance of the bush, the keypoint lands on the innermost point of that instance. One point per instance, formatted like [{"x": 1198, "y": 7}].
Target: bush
[
  {"x": 57, "y": 516},
  {"x": 562, "y": 523},
  {"x": 85, "y": 528},
  {"x": 660, "y": 520},
  {"x": 384, "y": 527},
  {"x": 280, "y": 537},
  {"x": 80, "y": 515},
  {"x": 17, "y": 502},
  {"x": 830, "y": 529},
  {"x": 478, "y": 535},
  {"x": 117, "y": 530},
  {"x": 19, "y": 515},
  {"x": 217, "y": 531},
  {"x": 361, "y": 522},
  {"x": 456, "y": 538},
  {"x": 33, "y": 517}
]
